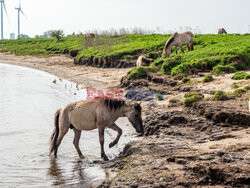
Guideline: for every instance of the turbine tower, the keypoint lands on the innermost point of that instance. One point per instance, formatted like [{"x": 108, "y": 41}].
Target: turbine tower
[
  {"x": 19, "y": 9},
  {"x": 2, "y": 7}
]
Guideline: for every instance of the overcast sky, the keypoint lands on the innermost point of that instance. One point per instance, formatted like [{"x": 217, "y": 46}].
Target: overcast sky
[{"x": 84, "y": 15}]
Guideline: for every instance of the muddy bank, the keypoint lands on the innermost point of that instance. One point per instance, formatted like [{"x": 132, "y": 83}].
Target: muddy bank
[{"x": 183, "y": 148}]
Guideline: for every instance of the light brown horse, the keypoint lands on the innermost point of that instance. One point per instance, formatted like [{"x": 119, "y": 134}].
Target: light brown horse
[
  {"x": 222, "y": 31},
  {"x": 94, "y": 114},
  {"x": 180, "y": 40},
  {"x": 143, "y": 61}
]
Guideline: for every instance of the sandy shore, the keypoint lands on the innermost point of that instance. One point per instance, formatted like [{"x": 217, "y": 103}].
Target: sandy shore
[{"x": 63, "y": 66}]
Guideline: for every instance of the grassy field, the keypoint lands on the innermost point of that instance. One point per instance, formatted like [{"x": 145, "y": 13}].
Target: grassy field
[{"x": 216, "y": 53}]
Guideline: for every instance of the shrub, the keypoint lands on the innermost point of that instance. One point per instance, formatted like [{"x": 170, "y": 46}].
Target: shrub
[
  {"x": 222, "y": 69},
  {"x": 239, "y": 92},
  {"x": 189, "y": 101},
  {"x": 159, "y": 97},
  {"x": 241, "y": 76},
  {"x": 185, "y": 80},
  {"x": 220, "y": 95},
  {"x": 207, "y": 78},
  {"x": 153, "y": 55}
]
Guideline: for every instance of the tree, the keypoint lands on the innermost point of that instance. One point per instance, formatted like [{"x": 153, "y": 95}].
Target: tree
[
  {"x": 57, "y": 34},
  {"x": 23, "y": 36}
]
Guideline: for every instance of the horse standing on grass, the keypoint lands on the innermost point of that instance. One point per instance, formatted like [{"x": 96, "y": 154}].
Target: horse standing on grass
[
  {"x": 180, "y": 40},
  {"x": 94, "y": 114},
  {"x": 143, "y": 61}
]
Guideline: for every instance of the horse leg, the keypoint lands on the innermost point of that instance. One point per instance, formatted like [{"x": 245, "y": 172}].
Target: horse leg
[
  {"x": 76, "y": 142},
  {"x": 101, "y": 139},
  {"x": 62, "y": 133},
  {"x": 182, "y": 49},
  {"x": 117, "y": 129},
  {"x": 188, "y": 45},
  {"x": 176, "y": 50},
  {"x": 192, "y": 45}
]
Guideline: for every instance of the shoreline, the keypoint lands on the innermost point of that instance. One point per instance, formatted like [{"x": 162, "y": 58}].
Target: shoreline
[{"x": 63, "y": 67}]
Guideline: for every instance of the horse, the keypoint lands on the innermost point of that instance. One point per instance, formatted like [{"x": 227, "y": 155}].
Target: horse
[
  {"x": 143, "y": 61},
  {"x": 222, "y": 31},
  {"x": 94, "y": 114},
  {"x": 176, "y": 40}
]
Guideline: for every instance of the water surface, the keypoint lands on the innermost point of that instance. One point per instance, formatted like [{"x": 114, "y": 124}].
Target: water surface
[{"x": 28, "y": 100}]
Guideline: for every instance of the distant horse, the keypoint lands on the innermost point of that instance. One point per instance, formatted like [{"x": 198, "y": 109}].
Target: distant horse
[
  {"x": 94, "y": 114},
  {"x": 222, "y": 31},
  {"x": 176, "y": 40},
  {"x": 143, "y": 61},
  {"x": 89, "y": 36}
]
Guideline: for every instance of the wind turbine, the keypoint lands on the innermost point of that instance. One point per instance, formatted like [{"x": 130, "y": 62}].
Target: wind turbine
[
  {"x": 19, "y": 9},
  {"x": 2, "y": 7}
]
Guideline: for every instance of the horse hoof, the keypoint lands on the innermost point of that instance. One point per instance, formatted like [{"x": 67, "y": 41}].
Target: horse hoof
[{"x": 105, "y": 158}]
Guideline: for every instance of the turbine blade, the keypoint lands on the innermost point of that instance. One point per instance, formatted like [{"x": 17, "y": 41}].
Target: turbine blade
[
  {"x": 6, "y": 13},
  {"x": 23, "y": 13}
]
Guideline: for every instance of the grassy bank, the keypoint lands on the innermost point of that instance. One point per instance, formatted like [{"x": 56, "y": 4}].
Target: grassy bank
[{"x": 217, "y": 53}]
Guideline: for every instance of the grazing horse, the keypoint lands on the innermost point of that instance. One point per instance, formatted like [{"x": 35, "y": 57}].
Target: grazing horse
[
  {"x": 176, "y": 40},
  {"x": 222, "y": 31},
  {"x": 94, "y": 114},
  {"x": 143, "y": 61}
]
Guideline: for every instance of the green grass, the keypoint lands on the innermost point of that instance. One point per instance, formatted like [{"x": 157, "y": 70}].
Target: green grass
[
  {"x": 192, "y": 97},
  {"x": 220, "y": 95},
  {"x": 241, "y": 76},
  {"x": 218, "y": 53},
  {"x": 185, "y": 80},
  {"x": 207, "y": 78},
  {"x": 239, "y": 92}
]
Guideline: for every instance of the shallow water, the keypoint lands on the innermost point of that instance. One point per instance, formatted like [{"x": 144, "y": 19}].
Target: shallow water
[{"x": 28, "y": 100}]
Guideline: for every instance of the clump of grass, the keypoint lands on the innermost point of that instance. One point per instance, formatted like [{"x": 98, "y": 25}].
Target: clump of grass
[
  {"x": 192, "y": 97},
  {"x": 153, "y": 55},
  {"x": 185, "y": 80},
  {"x": 138, "y": 72},
  {"x": 239, "y": 92},
  {"x": 241, "y": 76},
  {"x": 127, "y": 57},
  {"x": 174, "y": 100},
  {"x": 207, "y": 78},
  {"x": 220, "y": 95},
  {"x": 222, "y": 69},
  {"x": 235, "y": 85},
  {"x": 247, "y": 87},
  {"x": 159, "y": 97},
  {"x": 54, "y": 81}
]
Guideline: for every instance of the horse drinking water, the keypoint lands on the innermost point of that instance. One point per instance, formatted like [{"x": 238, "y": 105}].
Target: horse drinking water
[
  {"x": 180, "y": 40},
  {"x": 94, "y": 114}
]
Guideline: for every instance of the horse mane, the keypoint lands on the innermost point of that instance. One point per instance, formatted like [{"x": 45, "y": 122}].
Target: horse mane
[
  {"x": 114, "y": 104},
  {"x": 170, "y": 40}
]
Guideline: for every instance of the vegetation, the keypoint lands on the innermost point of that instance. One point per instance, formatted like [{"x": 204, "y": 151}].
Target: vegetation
[
  {"x": 153, "y": 55},
  {"x": 222, "y": 69},
  {"x": 239, "y": 92},
  {"x": 185, "y": 80},
  {"x": 159, "y": 97},
  {"x": 58, "y": 34},
  {"x": 220, "y": 95},
  {"x": 192, "y": 97},
  {"x": 240, "y": 76},
  {"x": 207, "y": 78}
]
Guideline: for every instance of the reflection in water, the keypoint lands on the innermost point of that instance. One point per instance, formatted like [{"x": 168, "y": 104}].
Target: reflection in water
[{"x": 28, "y": 101}]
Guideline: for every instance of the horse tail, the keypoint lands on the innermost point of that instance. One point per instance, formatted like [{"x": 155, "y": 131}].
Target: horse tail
[{"x": 54, "y": 136}]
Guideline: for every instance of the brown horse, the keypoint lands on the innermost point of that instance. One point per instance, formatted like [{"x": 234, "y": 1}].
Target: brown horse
[
  {"x": 176, "y": 40},
  {"x": 94, "y": 114}
]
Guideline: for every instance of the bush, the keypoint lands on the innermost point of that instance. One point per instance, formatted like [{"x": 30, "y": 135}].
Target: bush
[
  {"x": 241, "y": 76},
  {"x": 207, "y": 78},
  {"x": 239, "y": 92},
  {"x": 153, "y": 55},
  {"x": 159, "y": 97},
  {"x": 222, "y": 69},
  {"x": 185, "y": 80},
  {"x": 220, "y": 95}
]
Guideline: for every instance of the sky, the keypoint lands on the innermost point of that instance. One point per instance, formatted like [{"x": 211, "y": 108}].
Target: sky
[{"x": 168, "y": 15}]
